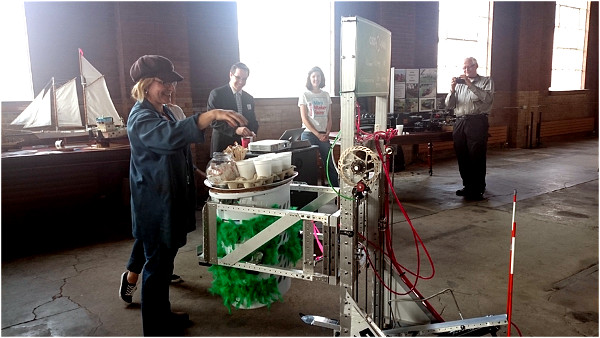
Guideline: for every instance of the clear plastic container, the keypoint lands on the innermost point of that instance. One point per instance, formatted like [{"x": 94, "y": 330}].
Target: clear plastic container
[{"x": 221, "y": 168}]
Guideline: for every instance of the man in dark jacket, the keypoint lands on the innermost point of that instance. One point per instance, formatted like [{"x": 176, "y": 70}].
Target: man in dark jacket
[{"x": 232, "y": 97}]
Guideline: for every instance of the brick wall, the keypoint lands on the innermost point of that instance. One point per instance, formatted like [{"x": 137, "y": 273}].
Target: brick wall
[{"x": 201, "y": 39}]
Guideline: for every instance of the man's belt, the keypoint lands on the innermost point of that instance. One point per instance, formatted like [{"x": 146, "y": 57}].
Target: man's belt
[{"x": 471, "y": 116}]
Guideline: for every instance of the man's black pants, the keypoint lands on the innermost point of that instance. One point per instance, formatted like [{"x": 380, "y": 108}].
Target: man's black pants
[{"x": 470, "y": 144}]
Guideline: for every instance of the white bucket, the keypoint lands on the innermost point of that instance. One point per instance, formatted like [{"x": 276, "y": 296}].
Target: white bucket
[{"x": 263, "y": 198}]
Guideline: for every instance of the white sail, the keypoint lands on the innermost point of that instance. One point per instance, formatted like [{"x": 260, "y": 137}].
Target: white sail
[
  {"x": 97, "y": 98},
  {"x": 67, "y": 105},
  {"x": 30, "y": 111},
  {"x": 59, "y": 108},
  {"x": 39, "y": 112},
  {"x": 42, "y": 117}
]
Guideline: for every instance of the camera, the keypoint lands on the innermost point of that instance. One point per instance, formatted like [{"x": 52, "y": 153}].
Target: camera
[{"x": 459, "y": 80}]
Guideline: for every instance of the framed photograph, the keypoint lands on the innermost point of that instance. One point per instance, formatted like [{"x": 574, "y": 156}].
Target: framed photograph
[
  {"x": 427, "y": 90},
  {"x": 412, "y": 105},
  {"x": 426, "y": 104},
  {"x": 428, "y": 75},
  {"x": 399, "y": 75},
  {"x": 399, "y": 105},
  {"x": 412, "y": 90}
]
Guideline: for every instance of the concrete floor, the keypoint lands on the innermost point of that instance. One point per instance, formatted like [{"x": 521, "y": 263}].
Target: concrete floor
[{"x": 73, "y": 292}]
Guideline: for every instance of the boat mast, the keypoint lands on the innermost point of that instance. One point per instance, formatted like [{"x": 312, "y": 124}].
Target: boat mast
[
  {"x": 54, "y": 105},
  {"x": 83, "y": 86}
]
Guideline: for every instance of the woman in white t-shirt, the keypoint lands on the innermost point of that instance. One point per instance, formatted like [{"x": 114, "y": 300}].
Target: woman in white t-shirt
[{"x": 315, "y": 110}]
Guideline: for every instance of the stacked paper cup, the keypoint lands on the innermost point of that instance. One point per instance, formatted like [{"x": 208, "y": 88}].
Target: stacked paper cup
[
  {"x": 246, "y": 169},
  {"x": 276, "y": 166},
  {"x": 286, "y": 160},
  {"x": 262, "y": 166}
]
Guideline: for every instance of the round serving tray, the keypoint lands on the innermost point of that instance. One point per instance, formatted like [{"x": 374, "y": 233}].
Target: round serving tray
[{"x": 253, "y": 189}]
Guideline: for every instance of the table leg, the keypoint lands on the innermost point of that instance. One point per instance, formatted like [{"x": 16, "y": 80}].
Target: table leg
[{"x": 430, "y": 158}]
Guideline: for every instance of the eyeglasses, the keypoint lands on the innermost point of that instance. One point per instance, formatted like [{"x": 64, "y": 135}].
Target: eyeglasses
[
  {"x": 165, "y": 83},
  {"x": 467, "y": 67},
  {"x": 240, "y": 78}
]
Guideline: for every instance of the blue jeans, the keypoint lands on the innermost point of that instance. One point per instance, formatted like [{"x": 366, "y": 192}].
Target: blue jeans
[
  {"x": 323, "y": 151},
  {"x": 156, "y": 278},
  {"x": 157, "y": 263},
  {"x": 137, "y": 258}
]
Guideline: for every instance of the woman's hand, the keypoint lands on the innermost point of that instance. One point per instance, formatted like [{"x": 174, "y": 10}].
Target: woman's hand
[
  {"x": 244, "y": 131},
  {"x": 231, "y": 117},
  {"x": 323, "y": 137}
]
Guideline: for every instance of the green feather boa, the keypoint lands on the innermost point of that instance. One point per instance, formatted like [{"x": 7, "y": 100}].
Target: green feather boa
[{"x": 239, "y": 287}]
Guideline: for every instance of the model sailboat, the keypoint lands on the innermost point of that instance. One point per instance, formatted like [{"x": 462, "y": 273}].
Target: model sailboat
[{"x": 57, "y": 108}]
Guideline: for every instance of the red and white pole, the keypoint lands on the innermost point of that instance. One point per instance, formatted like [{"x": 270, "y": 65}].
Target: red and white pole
[{"x": 512, "y": 262}]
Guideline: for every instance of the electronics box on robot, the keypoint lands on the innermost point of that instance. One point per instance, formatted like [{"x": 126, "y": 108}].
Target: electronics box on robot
[{"x": 269, "y": 146}]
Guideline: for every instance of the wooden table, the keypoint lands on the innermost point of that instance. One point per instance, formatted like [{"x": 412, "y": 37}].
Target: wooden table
[
  {"x": 44, "y": 177},
  {"x": 423, "y": 137}
]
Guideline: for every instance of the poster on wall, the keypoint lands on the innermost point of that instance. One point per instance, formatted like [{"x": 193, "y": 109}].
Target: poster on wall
[
  {"x": 399, "y": 83},
  {"x": 412, "y": 105},
  {"x": 426, "y": 90},
  {"x": 412, "y": 76},
  {"x": 428, "y": 75},
  {"x": 427, "y": 104},
  {"x": 413, "y": 90},
  {"x": 398, "y": 90}
]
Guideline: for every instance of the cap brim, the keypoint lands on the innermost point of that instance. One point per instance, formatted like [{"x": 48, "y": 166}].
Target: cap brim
[{"x": 170, "y": 77}]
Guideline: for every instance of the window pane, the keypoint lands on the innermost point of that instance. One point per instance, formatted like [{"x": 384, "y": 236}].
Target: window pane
[
  {"x": 456, "y": 42},
  {"x": 569, "y": 34},
  {"x": 12, "y": 23},
  {"x": 280, "y": 41}
]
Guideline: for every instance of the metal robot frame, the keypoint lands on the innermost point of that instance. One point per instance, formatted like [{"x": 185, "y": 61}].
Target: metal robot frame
[{"x": 374, "y": 299}]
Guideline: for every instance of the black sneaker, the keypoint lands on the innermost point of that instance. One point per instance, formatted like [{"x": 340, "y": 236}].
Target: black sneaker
[
  {"x": 176, "y": 278},
  {"x": 126, "y": 289}
]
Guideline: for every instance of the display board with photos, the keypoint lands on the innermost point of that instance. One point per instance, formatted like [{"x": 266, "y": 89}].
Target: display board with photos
[{"x": 413, "y": 90}]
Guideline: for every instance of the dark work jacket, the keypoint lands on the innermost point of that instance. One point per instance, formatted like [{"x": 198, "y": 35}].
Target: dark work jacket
[
  {"x": 161, "y": 175},
  {"x": 224, "y": 135}
]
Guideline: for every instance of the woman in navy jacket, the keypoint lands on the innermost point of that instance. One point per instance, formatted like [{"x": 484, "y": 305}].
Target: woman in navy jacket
[{"x": 163, "y": 200}]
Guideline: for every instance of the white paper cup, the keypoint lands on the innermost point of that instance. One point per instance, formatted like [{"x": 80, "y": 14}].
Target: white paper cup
[
  {"x": 399, "y": 128},
  {"x": 246, "y": 169},
  {"x": 286, "y": 160},
  {"x": 275, "y": 160},
  {"x": 276, "y": 164},
  {"x": 263, "y": 167}
]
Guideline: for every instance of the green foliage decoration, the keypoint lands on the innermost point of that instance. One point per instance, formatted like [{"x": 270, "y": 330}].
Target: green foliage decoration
[{"x": 239, "y": 287}]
